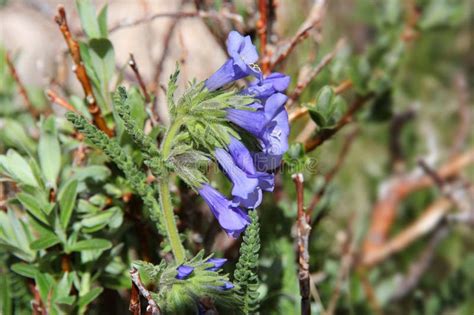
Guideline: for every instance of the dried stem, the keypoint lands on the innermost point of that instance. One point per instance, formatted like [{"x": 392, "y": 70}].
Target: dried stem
[
  {"x": 384, "y": 211},
  {"x": 427, "y": 222},
  {"x": 302, "y": 111},
  {"x": 420, "y": 266},
  {"x": 21, "y": 87},
  {"x": 132, "y": 63},
  {"x": 332, "y": 172},
  {"x": 211, "y": 14},
  {"x": 137, "y": 283},
  {"x": 314, "y": 18},
  {"x": 80, "y": 71},
  {"x": 326, "y": 134},
  {"x": 262, "y": 33},
  {"x": 303, "y": 231},
  {"x": 56, "y": 99},
  {"x": 306, "y": 80}
]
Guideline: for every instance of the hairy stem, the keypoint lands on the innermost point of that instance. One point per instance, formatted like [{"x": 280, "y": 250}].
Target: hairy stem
[{"x": 165, "y": 196}]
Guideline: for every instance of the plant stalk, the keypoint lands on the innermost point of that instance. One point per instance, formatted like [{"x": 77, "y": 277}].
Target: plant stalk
[{"x": 165, "y": 196}]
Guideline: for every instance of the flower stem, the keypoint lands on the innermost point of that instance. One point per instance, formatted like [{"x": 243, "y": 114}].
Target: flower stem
[{"x": 165, "y": 196}]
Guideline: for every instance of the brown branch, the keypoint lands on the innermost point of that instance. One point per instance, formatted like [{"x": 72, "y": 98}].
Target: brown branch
[
  {"x": 384, "y": 210},
  {"x": 396, "y": 126},
  {"x": 303, "y": 231},
  {"x": 314, "y": 19},
  {"x": 56, "y": 99},
  {"x": 426, "y": 223},
  {"x": 160, "y": 64},
  {"x": 137, "y": 282},
  {"x": 330, "y": 175},
  {"x": 348, "y": 117},
  {"x": 81, "y": 73},
  {"x": 262, "y": 29},
  {"x": 306, "y": 80},
  {"x": 24, "y": 94},
  {"x": 211, "y": 14},
  {"x": 301, "y": 111},
  {"x": 134, "y": 66},
  {"x": 464, "y": 113},
  {"x": 419, "y": 267}
]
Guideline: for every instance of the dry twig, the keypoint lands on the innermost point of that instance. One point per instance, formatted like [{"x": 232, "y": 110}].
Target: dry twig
[
  {"x": 132, "y": 63},
  {"x": 303, "y": 231},
  {"x": 306, "y": 80},
  {"x": 56, "y": 99},
  {"x": 314, "y": 19},
  {"x": 326, "y": 134},
  {"x": 330, "y": 175},
  {"x": 211, "y": 14},
  {"x": 21, "y": 87},
  {"x": 262, "y": 28},
  {"x": 137, "y": 283},
  {"x": 80, "y": 71}
]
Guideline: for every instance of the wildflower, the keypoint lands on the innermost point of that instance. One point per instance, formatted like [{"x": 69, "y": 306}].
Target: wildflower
[
  {"x": 184, "y": 272},
  {"x": 245, "y": 187},
  {"x": 230, "y": 217},
  {"x": 218, "y": 263},
  {"x": 227, "y": 286},
  {"x": 273, "y": 83},
  {"x": 243, "y": 55},
  {"x": 250, "y": 120}
]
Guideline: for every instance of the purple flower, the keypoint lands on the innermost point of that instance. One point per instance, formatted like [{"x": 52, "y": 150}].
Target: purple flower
[
  {"x": 230, "y": 217},
  {"x": 243, "y": 55},
  {"x": 243, "y": 159},
  {"x": 274, "y": 83},
  {"x": 274, "y": 137},
  {"x": 250, "y": 120},
  {"x": 245, "y": 188},
  {"x": 184, "y": 272},
  {"x": 218, "y": 263},
  {"x": 227, "y": 286}
]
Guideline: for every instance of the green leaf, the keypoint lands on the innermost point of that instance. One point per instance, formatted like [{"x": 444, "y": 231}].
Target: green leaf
[
  {"x": 88, "y": 18},
  {"x": 25, "y": 270},
  {"x": 5, "y": 295},
  {"x": 44, "y": 285},
  {"x": 92, "y": 244},
  {"x": 13, "y": 134},
  {"x": 44, "y": 242},
  {"x": 33, "y": 206},
  {"x": 49, "y": 152},
  {"x": 103, "y": 60},
  {"x": 102, "y": 20},
  {"x": 89, "y": 297},
  {"x": 67, "y": 199},
  {"x": 18, "y": 168}
]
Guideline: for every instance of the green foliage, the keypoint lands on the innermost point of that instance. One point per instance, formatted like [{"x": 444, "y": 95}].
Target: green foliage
[
  {"x": 245, "y": 273},
  {"x": 328, "y": 109},
  {"x": 175, "y": 296},
  {"x": 134, "y": 175}
]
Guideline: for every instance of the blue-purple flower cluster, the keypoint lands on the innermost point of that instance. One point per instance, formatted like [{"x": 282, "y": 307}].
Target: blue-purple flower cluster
[
  {"x": 185, "y": 271},
  {"x": 266, "y": 119}
]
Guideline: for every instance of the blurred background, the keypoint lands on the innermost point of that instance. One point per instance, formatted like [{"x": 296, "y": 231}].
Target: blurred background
[{"x": 390, "y": 195}]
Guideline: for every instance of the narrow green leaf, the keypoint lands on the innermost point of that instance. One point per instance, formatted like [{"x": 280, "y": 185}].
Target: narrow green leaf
[
  {"x": 45, "y": 241},
  {"x": 18, "y": 168},
  {"x": 102, "y": 20},
  {"x": 89, "y": 297},
  {"x": 25, "y": 270},
  {"x": 5, "y": 295},
  {"x": 67, "y": 200},
  {"x": 88, "y": 18},
  {"x": 33, "y": 206},
  {"x": 103, "y": 60},
  {"x": 92, "y": 244},
  {"x": 43, "y": 284},
  {"x": 49, "y": 152}
]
